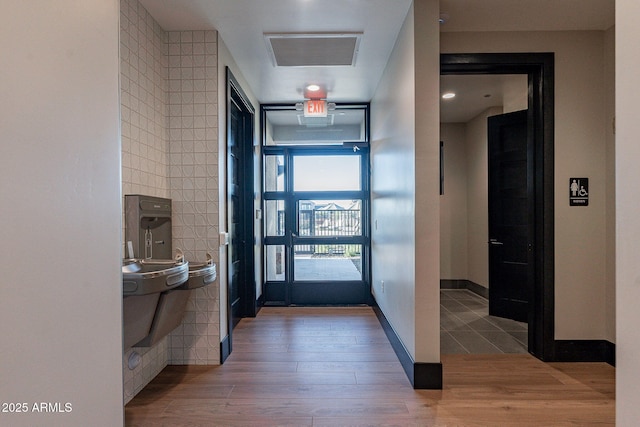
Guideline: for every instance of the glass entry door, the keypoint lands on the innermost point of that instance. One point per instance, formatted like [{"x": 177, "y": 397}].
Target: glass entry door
[{"x": 316, "y": 224}]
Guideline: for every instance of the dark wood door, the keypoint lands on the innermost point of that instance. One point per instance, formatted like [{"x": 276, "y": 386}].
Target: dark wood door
[
  {"x": 241, "y": 274},
  {"x": 235, "y": 202},
  {"x": 510, "y": 216},
  {"x": 241, "y": 287}
]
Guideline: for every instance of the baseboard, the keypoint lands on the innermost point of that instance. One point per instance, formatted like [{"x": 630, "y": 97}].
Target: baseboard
[
  {"x": 427, "y": 376},
  {"x": 423, "y": 376},
  {"x": 585, "y": 351},
  {"x": 225, "y": 349},
  {"x": 477, "y": 289},
  {"x": 611, "y": 353},
  {"x": 453, "y": 284},
  {"x": 465, "y": 284},
  {"x": 259, "y": 304}
]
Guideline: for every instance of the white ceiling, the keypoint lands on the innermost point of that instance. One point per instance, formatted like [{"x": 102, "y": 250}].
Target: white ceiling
[
  {"x": 243, "y": 23},
  {"x": 476, "y": 93}
]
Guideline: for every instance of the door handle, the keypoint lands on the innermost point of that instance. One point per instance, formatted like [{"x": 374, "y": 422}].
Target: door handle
[{"x": 495, "y": 242}]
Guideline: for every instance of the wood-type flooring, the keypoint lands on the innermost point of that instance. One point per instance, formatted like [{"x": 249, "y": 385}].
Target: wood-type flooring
[{"x": 334, "y": 367}]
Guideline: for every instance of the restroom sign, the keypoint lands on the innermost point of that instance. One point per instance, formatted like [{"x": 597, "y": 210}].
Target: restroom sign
[
  {"x": 315, "y": 108},
  {"x": 578, "y": 191}
]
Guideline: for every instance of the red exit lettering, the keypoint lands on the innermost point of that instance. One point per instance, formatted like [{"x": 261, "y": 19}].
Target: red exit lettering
[{"x": 315, "y": 108}]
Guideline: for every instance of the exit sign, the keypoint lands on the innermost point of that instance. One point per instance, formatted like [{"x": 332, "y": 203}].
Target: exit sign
[{"x": 315, "y": 108}]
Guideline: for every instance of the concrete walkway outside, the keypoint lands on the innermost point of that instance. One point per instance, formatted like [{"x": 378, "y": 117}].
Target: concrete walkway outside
[{"x": 325, "y": 268}]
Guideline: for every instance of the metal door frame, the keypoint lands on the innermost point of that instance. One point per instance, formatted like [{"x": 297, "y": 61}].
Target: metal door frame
[{"x": 285, "y": 289}]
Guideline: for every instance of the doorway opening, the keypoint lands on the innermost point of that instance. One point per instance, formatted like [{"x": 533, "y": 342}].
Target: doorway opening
[
  {"x": 316, "y": 206},
  {"x": 532, "y": 268},
  {"x": 241, "y": 288}
]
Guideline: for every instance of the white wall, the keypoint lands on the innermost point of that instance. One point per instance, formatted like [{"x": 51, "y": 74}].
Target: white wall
[
  {"x": 427, "y": 161},
  {"x": 627, "y": 208},
  {"x": 478, "y": 196},
  {"x": 580, "y": 151},
  {"x": 405, "y": 184},
  {"x": 453, "y": 203},
  {"x": 60, "y": 292},
  {"x": 610, "y": 92},
  {"x": 393, "y": 188},
  {"x": 516, "y": 93}
]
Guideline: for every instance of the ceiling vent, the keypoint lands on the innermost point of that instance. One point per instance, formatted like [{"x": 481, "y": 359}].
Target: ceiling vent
[{"x": 313, "y": 50}]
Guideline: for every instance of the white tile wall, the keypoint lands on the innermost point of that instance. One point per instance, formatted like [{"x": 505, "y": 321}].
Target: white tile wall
[
  {"x": 170, "y": 149},
  {"x": 154, "y": 360},
  {"x": 143, "y": 80},
  {"x": 193, "y": 184}
]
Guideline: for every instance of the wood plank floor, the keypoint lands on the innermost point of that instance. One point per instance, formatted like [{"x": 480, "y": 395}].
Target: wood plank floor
[{"x": 335, "y": 367}]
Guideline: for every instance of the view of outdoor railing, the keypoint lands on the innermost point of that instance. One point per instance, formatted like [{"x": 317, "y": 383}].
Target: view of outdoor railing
[{"x": 328, "y": 221}]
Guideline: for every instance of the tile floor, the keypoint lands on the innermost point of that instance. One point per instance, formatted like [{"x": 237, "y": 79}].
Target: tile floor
[{"x": 467, "y": 328}]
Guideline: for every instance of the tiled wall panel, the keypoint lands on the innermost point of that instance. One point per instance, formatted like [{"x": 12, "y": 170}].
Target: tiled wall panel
[
  {"x": 170, "y": 149},
  {"x": 143, "y": 79},
  {"x": 144, "y": 114},
  {"x": 193, "y": 183}
]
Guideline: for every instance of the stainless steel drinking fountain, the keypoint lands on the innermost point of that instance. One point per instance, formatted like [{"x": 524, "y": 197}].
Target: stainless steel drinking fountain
[
  {"x": 156, "y": 284},
  {"x": 150, "y": 272},
  {"x": 148, "y": 226}
]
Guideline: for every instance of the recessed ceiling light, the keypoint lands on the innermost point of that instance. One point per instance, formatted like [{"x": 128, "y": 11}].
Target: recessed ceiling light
[
  {"x": 313, "y": 88},
  {"x": 448, "y": 95}
]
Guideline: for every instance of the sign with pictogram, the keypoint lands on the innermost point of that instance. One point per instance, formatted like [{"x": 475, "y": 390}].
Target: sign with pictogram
[{"x": 578, "y": 191}]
